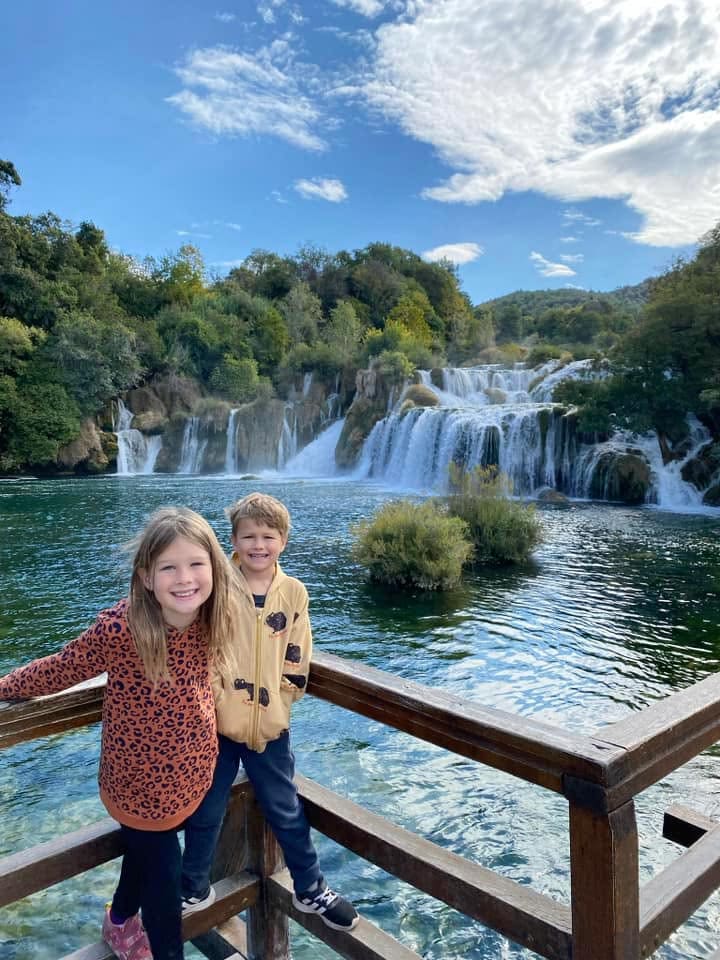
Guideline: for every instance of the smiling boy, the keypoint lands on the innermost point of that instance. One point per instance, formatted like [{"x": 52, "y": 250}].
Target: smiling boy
[{"x": 253, "y": 714}]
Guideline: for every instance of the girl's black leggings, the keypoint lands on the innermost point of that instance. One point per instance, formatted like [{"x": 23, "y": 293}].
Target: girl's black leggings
[{"x": 150, "y": 881}]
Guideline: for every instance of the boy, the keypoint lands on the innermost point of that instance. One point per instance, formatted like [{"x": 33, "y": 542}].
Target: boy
[{"x": 253, "y": 715}]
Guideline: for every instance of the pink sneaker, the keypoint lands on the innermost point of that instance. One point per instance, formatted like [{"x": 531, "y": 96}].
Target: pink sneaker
[{"x": 128, "y": 941}]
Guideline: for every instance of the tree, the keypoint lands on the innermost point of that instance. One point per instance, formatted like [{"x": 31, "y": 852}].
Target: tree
[
  {"x": 235, "y": 380},
  {"x": 343, "y": 331},
  {"x": 9, "y": 177},
  {"x": 302, "y": 311}
]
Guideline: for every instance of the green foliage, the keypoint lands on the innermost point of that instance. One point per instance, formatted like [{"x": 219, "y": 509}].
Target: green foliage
[
  {"x": 302, "y": 311},
  {"x": 343, "y": 331},
  {"x": 394, "y": 366},
  {"x": 17, "y": 343},
  {"x": 235, "y": 380},
  {"x": 542, "y": 352},
  {"x": 408, "y": 544},
  {"x": 502, "y": 530},
  {"x": 37, "y": 417},
  {"x": 95, "y": 360}
]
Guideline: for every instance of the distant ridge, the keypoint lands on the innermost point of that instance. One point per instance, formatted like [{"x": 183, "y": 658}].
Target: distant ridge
[{"x": 534, "y": 302}]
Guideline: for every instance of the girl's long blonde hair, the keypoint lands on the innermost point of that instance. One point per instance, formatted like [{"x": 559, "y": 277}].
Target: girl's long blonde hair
[{"x": 220, "y": 614}]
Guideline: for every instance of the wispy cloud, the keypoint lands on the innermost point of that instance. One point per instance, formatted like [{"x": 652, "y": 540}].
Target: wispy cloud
[
  {"x": 569, "y": 239},
  {"x": 630, "y": 104},
  {"x": 572, "y": 257},
  {"x": 368, "y": 8},
  {"x": 224, "y": 17},
  {"x": 227, "y": 264},
  {"x": 233, "y": 93},
  {"x": 549, "y": 269},
  {"x": 455, "y": 252},
  {"x": 194, "y": 233},
  {"x": 577, "y": 216},
  {"x": 332, "y": 190},
  {"x": 278, "y": 197}
]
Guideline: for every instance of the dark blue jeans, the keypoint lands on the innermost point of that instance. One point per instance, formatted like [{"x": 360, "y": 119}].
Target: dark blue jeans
[
  {"x": 271, "y": 775},
  {"x": 150, "y": 881}
]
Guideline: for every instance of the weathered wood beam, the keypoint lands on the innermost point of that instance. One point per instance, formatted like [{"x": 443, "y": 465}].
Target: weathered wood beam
[
  {"x": 662, "y": 737},
  {"x": 23, "y": 720},
  {"x": 673, "y": 895},
  {"x": 513, "y": 909},
  {"x": 534, "y": 751},
  {"x": 604, "y": 884},
  {"x": 365, "y": 942},
  {"x": 48, "y": 863}
]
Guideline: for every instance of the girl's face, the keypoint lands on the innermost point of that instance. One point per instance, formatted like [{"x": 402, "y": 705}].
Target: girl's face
[{"x": 182, "y": 580}]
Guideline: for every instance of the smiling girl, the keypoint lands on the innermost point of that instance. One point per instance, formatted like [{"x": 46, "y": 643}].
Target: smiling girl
[{"x": 159, "y": 739}]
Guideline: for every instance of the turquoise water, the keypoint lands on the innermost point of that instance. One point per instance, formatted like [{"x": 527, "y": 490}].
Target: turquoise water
[{"x": 618, "y": 608}]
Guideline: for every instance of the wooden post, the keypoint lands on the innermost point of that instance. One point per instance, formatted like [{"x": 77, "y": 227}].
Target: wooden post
[
  {"x": 267, "y": 926},
  {"x": 604, "y": 884}
]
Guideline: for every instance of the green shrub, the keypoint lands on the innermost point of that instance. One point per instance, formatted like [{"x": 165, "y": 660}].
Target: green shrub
[
  {"x": 502, "y": 530},
  {"x": 413, "y": 545}
]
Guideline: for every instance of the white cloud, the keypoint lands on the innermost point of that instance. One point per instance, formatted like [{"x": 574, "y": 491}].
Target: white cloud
[
  {"x": 569, "y": 239},
  {"x": 227, "y": 264},
  {"x": 572, "y": 257},
  {"x": 225, "y": 17},
  {"x": 549, "y": 269},
  {"x": 232, "y": 93},
  {"x": 455, "y": 252},
  {"x": 278, "y": 197},
  {"x": 231, "y": 226},
  {"x": 183, "y": 233},
  {"x": 332, "y": 190},
  {"x": 368, "y": 8},
  {"x": 575, "y": 99},
  {"x": 576, "y": 216}
]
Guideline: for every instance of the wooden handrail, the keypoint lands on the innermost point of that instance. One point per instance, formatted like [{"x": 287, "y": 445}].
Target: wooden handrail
[{"x": 612, "y": 919}]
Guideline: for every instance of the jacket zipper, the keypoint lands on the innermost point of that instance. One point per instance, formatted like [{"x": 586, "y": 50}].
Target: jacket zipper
[{"x": 257, "y": 678}]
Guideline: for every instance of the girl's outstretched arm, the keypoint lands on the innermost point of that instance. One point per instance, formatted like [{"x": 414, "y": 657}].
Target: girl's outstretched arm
[{"x": 81, "y": 659}]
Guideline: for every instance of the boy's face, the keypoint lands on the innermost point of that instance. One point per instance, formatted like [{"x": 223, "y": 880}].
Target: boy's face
[{"x": 257, "y": 546}]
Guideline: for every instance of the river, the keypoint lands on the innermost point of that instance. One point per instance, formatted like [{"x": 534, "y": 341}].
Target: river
[{"x": 619, "y": 607}]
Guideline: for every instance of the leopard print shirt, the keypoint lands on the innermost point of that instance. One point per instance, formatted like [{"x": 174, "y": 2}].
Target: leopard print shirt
[{"x": 159, "y": 743}]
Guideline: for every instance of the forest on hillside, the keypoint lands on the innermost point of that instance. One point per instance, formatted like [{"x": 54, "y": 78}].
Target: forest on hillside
[{"x": 80, "y": 324}]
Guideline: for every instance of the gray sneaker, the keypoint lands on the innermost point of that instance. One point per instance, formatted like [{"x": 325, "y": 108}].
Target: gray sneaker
[{"x": 334, "y": 911}]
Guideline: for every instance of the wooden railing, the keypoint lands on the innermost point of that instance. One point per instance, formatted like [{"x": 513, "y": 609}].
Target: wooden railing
[{"x": 609, "y": 918}]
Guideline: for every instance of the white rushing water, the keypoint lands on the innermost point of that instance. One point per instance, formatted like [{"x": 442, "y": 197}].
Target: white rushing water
[
  {"x": 191, "y": 455},
  {"x": 507, "y": 416},
  {"x": 136, "y": 452},
  {"x": 317, "y": 459}
]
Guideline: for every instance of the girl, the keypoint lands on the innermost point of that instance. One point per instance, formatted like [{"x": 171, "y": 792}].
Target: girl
[{"x": 159, "y": 739}]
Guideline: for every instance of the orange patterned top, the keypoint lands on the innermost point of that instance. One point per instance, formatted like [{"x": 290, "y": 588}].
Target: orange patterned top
[{"x": 159, "y": 743}]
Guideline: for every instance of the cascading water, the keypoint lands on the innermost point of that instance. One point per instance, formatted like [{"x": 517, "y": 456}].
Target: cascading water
[
  {"x": 231, "y": 443},
  {"x": 317, "y": 459},
  {"x": 506, "y": 416},
  {"x": 191, "y": 455},
  {"x": 287, "y": 447},
  {"x": 136, "y": 452}
]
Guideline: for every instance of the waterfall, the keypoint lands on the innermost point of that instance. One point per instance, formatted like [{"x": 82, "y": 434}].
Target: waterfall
[
  {"x": 287, "y": 446},
  {"x": 317, "y": 459},
  {"x": 231, "y": 443},
  {"x": 191, "y": 455},
  {"x": 136, "y": 452},
  {"x": 307, "y": 383},
  {"x": 506, "y": 416}
]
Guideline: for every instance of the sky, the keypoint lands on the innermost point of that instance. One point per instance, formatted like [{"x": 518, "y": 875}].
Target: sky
[{"x": 535, "y": 143}]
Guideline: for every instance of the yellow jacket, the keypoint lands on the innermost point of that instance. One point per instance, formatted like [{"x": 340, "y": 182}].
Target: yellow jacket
[{"x": 272, "y": 664}]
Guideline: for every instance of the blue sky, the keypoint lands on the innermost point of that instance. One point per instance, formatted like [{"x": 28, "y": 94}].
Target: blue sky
[{"x": 538, "y": 143}]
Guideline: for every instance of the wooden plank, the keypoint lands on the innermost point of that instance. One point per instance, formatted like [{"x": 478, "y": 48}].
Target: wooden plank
[
  {"x": 226, "y": 942},
  {"x": 514, "y": 910},
  {"x": 676, "y": 893},
  {"x": 536, "y": 752},
  {"x": 48, "y": 863},
  {"x": 233, "y": 895},
  {"x": 661, "y": 738},
  {"x": 604, "y": 884},
  {"x": 79, "y": 706},
  {"x": 268, "y": 935},
  {"x": 684, "y": 825},
  {"x": 365, "y": 942}
]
